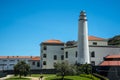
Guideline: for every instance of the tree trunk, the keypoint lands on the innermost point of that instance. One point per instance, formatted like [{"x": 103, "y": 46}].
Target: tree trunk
[{"x": 20, "y": 75}]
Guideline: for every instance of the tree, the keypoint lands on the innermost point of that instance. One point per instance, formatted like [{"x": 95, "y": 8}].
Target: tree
[
  {"x": 84, "y": 68},
  {"x": 21, "y": 69},
  {"x": 114, "y": 41},
  {"x": 64, "y": 69}
]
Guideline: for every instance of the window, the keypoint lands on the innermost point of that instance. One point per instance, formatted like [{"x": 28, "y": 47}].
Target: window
[
  {"x": 11, "y": 64},
  {"x": 44, "y": 48},
  {"x": 94, "y": 43},
  {"x": 12, "y": 60},
  {"x": 92, "y": 63},
  {"x": 33, "y": 63},
  {"x": 44, "y": 55},
  {"x": 62, "y": 57},
  {"x": 4, "y": 60},
  {"x": 93, "y": 54},
  {"x": 44, "y": 62},
  {"x": 66, "y": 54},
  {"x": 38, "y": 64},
  {"x": 55, "y": 57},
  {"x": 76, "y": 54},
  {"x": 62, "y": 48}
]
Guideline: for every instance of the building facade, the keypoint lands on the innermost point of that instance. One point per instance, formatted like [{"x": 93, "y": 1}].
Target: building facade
[
  {"x": 88, "y": 49},
  {"x": 8, "y": 62}
]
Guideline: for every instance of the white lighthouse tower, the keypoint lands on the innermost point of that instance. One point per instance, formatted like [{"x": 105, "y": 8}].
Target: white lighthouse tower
[{"x": 83, "y": 47}]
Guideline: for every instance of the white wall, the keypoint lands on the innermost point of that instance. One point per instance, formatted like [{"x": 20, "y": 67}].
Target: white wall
[
  {"x": 33, "y": 67},
  {"x": 50, "y": 52},
  {"x": 71, "y": 55},
  {"x": 8, "y": 63},
  {"x": 100, "y": 53},
  {"x": 100, "y": 43}
]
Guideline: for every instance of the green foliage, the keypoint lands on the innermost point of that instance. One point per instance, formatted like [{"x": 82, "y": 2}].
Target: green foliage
[
  {"x": 84, "y": 69},
  {"x": 64, "y": 69},
  {"x": 114, "y": 41},
  {"x": 21, "y": 69}
]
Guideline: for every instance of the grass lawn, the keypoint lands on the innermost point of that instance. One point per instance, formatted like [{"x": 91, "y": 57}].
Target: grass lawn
[
  {"x": 68, "y": 78},
  {"x": 45, "y": 75},
  {"x": 17, "y": 78},
  {"x": 54, "y": 77}
]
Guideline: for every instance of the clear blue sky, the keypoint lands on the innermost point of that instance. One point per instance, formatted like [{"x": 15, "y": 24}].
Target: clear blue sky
[{"x": 24, "y": 24}]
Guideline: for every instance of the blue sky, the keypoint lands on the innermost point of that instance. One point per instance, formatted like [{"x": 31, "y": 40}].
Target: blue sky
[{"x": 24, "y": 24}]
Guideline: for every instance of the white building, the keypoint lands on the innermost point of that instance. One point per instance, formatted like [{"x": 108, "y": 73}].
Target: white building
[
  {"x": 8, "y": 62},
  {"x": 88, "y": 49},
  {"x": 52, "y": 51}
]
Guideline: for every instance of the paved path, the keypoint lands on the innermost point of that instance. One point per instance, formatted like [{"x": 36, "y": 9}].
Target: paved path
[
  {"x": 8, "y": 76},
  {"x": 35, "y": 78},
  {"x": 32, "y": 78}
]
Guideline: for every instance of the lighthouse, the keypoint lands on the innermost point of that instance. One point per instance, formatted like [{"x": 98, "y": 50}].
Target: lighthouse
[{"x": 83, "y": 47}]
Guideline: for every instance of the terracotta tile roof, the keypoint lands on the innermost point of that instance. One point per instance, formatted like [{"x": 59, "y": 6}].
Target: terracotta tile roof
[
  {"x": 53, "y": 41},
  {"x": 91, "y": 38},
  {"x": 12, "y": 57},
  {"x": 36, "y": 59},
  {"x": 110, "y": 63},
  {"x": 113, "y": 56}
]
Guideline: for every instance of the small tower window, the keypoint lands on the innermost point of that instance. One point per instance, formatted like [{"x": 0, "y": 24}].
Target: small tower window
[
  {"x": 93, "y": 54},
  {"x": 55, "y": 57},
  {"x": 66, "y": 54}
]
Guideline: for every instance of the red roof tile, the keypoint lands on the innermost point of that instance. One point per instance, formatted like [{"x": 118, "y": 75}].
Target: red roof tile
[
  {"x": 91, "y": 38},
  {"x": 53, "y": 41},
  {"x": 110, "y": 63},
  {"x": 36, "y": 58},
  {"x": 113, "y": 56}
]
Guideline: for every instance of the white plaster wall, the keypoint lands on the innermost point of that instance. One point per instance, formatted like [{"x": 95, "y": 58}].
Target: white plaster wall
[
  {"x": 101, "y": 52},
  {"x": 100, "y": 43},
  {"x": 9, "y": 65},
  {"x": 50, "y": 52},
  {"x": 32, "y": 67},
  {"x": 71, "y": 55}
]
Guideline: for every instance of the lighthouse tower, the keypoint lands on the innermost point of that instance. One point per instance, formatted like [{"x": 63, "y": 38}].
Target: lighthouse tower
[{"x": 83, "y": 47}]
